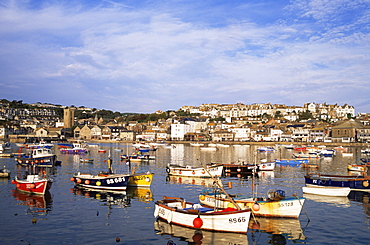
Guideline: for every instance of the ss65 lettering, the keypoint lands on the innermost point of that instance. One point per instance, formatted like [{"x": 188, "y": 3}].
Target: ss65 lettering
[{"x": 237, "y": 220}]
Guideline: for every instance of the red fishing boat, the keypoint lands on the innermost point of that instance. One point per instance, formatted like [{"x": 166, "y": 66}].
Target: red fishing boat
[{"x": 34, "y": 184}]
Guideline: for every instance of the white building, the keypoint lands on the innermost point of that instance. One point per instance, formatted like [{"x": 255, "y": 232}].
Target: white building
[{"x": 241, "y": 134}]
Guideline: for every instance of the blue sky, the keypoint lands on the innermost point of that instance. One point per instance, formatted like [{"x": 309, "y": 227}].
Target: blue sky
[{"x": 144, "y": 56}]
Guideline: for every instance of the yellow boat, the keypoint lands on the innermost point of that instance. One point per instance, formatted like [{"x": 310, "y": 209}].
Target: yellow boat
[
  {"x": 275, "y": 205},
  {"x": 142, "y": 180}
]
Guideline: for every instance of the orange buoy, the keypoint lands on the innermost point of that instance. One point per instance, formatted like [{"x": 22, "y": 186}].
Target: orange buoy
[
  {"x": 87, "y": 182},
  {"x": 197, "y": 222},
  {"x": 72, "y": 179},
  {"x": 79, "y": 180},
  {"x": 256, "y": 207}
]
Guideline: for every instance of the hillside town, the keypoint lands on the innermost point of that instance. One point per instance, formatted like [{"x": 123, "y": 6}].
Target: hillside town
[{"x": 312, "y": 122}]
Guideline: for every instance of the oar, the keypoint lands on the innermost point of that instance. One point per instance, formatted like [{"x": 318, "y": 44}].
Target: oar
[{"x": 222, "y": 188}]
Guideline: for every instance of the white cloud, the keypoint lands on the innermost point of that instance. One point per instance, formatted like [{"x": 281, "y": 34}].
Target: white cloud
[{"x": 141, "y": 59}]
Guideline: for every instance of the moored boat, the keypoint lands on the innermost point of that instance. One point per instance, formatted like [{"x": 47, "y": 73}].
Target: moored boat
[
  {"x": 239, "y": 168},
  {"x": 193, "y": 215},
  {"x": 326, "y": 153},
  {"x": 266, "y": 166},
  {"x": 289, "y": 147},
  {"x": 141, "y": 180},
  {"x": 347, "y": 154},
  {"x": 76, "y": 148},
  {"x": 266, "y": 149},
  {"x": 292, "y": 162},
  {"x": 274, "y": 205},
  {"x": 210, "y": 170},
  {"x": 359, "y": 182},
  {"x": 112, "y": 181},
  {"x": 41, "y": 144},
  {"x": 305, "y": 155},
  {"x": 34, "y": 183},
  {"x": 39, "y": 157},
  {"x": 137, "y": 156},
  {"x": 365, "y": 160},
  {"x": 4, "y": 173},
  {"x": 196, "y": 236},
  {"x": 326, "y": 190},
  {"x": 356, "y": 167},
  {"x": 104, "y": 181},
  {"x": 86, "y": 160}
]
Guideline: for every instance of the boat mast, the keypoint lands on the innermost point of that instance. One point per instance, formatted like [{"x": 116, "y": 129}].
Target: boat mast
[{"x": 110, "y": 169}]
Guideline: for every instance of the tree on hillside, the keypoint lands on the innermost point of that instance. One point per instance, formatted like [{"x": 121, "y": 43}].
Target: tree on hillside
[{"x": 305, "y": 115}]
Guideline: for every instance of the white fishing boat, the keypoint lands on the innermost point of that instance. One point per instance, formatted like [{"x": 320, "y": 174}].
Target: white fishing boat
[
  {"x": 326, "y": 190},
  {"x": 347, "y": 154},
  {"x": 196, "y": 236},
  {"x": 356, "y": 167},
  {"x": 266, "y": 166},
  {"x": 210, "y": 170},
  {"x": 40, "y": 157},
  {"x": 193, "y": 215}
]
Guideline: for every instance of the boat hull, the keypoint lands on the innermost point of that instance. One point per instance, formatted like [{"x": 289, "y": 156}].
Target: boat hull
[
  {"x": 326, "y": 191},
  {"x": 289, "y": 207},
  {"x": 141, "y": 180},
  {"x": 36, "y": 186},
  {"x": 239, "y": 168},
  {"x": 72, "y": 151},
  {"x": 37, "y": 162},
  {"x": 189, "y": 235},
  {"x": 210, "y": 171},
  {"x": 101, "y": 181},
  {"x": 353, "y": 182},
  {"x": 293, "y": 162},
  {"x": 174, "y": 213}
]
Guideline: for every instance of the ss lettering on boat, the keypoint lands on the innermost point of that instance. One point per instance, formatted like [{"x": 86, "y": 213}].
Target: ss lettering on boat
[
  {"x": 237, "y": 220},
  {"x": 285, "y": 204},
  {"x": 162, "y": 211},
  {"x": 115, "y": 180}
]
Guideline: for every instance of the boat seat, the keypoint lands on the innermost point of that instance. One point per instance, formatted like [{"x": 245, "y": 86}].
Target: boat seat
[{"x": 198, "y": 208}]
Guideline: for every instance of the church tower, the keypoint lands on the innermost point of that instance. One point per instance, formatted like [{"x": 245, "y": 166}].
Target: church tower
[{"x": 69, "y": 116}]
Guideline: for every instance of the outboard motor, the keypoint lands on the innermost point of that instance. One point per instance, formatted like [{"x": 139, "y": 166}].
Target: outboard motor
[{"x": 276, "y": 194}]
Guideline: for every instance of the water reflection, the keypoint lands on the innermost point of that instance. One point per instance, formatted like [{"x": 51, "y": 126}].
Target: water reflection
[
  {"x": 343, "y": 202},
  {"x": 362, "y": 197},
  {"x": 37, "y": 205},
  {"x": 117, "y": 198},
  {"x": 280, "y": 229},
  {"x": 206, "y": 182},
  {"x": 194, "y": 236}
]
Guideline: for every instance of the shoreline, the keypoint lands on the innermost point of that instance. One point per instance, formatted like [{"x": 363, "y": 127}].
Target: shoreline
[{"x": 240, "y": 143}]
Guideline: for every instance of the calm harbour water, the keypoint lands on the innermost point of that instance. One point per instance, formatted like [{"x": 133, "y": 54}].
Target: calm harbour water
[{"x": 73, "y": 216}]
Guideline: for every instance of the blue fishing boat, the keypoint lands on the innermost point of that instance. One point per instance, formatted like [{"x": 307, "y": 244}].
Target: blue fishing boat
[
  {"x": 38, "y": 157},
  {"x": 361, "y": 182},
  {"x": 291, "y": 162}
]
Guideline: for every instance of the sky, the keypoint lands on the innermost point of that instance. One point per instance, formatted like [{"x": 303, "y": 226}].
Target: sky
[{"x": 144, "y": 56}]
